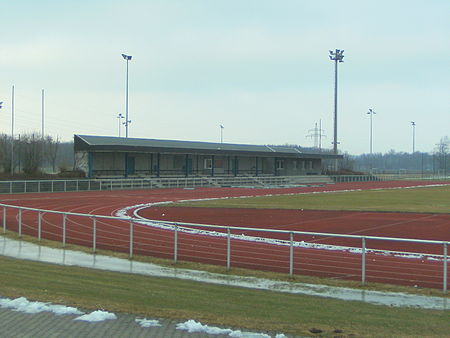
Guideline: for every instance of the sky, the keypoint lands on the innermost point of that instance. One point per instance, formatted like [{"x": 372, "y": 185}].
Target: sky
[{"x": 259, "y": 68}]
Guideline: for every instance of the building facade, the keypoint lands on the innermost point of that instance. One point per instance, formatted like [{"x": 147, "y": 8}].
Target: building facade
[{"x": 102, "y": 156}]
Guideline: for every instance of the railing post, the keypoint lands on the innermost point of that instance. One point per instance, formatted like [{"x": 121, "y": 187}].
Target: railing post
[
  {"x": 39, "y": 186},
  {"x": 52, "y": 186},
  {"x": 20, "y": 222},
  {"x": 175, "y": 245},
  {"x": 131, "y": 238},
  {"x": 89, "y": 185},
  {"x": 64, "y": 229},
  {"x": 65, "y": 186},
  {"x": 4, "y": 219},
  {"x": 444, "y": 286},
  {"x": 94, "y": 234},
  {"x": 39, "y": 226},
  {"x": 10, "y": 187},
  {"x": 228, "y": 248},
  {"x": 25, "y": 187},
  {"x": 291, "y": 255},
  {"x": 363, "y": 261}
]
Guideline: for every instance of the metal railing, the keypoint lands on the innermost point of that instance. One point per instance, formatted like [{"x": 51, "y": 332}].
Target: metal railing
[
  {"x": 30, "y": 186},
  {"x": 364, "y": 258}
]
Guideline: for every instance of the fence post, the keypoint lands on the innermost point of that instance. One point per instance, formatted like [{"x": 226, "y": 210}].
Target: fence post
[
  {"x": 291, "y": 255},
  {"x": 94, "y": 234},
  {"x": 39, "y": 186},
  {"x": 10, "y": 187},
  {"x": 64, "y": 229},
  {"x": 363, "y": 261},
  {"x": 228, "y": 248},
  {"x": 131, "y": 239},
  {"x": 20, "y": 222},
  {"x": 175, "y": 245},
  {"x": 89, "y": 185},
  {"x": 444, "y": 287},
  {"x": 39, "y": 226},
  {"x": 4, "y": 219},
  {"x": 65, "y": 186},
  {"x": 52, "y": 186},
  {"x": 25, "y": 187}
]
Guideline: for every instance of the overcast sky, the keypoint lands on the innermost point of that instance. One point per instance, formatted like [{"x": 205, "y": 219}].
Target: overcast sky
[{"x": 260, "y": 68}]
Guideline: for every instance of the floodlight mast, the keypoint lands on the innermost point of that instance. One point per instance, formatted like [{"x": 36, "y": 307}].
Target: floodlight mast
[
  {"x": 371, "y": 113},
  {"x": 336, "y": 56},
  {"x": 127, "y": 121},
  {"x": 413, "y": 124}
]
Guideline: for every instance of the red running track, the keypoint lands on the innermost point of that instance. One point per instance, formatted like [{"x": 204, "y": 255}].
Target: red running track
[{"x": 115, "y": 235}]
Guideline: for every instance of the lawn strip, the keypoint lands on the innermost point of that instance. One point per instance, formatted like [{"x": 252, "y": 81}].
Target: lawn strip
[
  {"x": 425, "y": 200},
  {"x": 212, "y": 304}
]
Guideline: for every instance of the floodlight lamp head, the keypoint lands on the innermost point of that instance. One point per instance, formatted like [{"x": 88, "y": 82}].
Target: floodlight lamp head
[{"x": 126, "y": 57}]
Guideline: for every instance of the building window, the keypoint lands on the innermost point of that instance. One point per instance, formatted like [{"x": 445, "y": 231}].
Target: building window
[
  {"x": 280, "y": 164},
  {"x": 208, "y": 163}
]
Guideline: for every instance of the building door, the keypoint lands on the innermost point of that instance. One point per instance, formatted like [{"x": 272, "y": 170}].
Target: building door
[
  {"x": 130, "y": 165},
  {"x": 189, "y": 166}
]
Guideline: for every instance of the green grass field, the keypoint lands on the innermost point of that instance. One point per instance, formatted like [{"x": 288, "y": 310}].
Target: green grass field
[
  {"x": 216, "y": 305},
  {"x": 432, "y": 199}
]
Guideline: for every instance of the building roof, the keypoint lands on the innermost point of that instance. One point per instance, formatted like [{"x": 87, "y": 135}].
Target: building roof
[{"x": 121, "y": 144}]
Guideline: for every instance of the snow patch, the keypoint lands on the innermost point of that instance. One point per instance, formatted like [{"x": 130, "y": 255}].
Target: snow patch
[
  {"x": 192, "y": 326},
  {"x": 97, "y": 316},
  {"x": 144, "y": 322},
  {"x": 22, "y": 304}
]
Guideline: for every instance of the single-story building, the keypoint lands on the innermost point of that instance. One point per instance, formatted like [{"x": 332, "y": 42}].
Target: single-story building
[{"x": 102, "y": 156}]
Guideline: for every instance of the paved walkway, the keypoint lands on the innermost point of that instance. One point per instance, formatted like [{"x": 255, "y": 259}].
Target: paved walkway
[{"x": 45, "y": 324}]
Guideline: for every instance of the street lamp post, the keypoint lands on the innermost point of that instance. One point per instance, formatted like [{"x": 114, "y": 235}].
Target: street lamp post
[
  {"x": 413, "y": 124},
  {"x": 336, "y": 56},
  {"x": 120, "y": 117},
  {"x": 221, "y": 133},
  {"x": 371, "y": 113},
  {"x": 127, "y": 121}
]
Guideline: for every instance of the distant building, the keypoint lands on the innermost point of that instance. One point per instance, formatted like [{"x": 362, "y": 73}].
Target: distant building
[{"x": 103, "y": 156}]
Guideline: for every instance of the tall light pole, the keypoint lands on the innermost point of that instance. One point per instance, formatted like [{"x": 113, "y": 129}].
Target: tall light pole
[
  {"x": 221, "y": 133},
  {"x": 120, "y": 117},
  {"x": 336, "y": 56},
  {"x": 413, "y": 124},
  {"x": 371, "y": 113},
  {"x": 42, "y": 112},
  {"x": 127, "y": 121},
  {"x": 12, "y": 131}
]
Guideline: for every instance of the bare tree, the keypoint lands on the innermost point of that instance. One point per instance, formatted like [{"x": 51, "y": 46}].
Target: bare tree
[
  {"x": 31, "y": 153},
  {"x": 51, "y": 150}
]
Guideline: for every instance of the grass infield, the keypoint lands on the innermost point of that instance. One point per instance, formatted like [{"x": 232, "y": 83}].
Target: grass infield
[
  {"x": 212, "y": 304},
  {"x": 426, "y": 199}
]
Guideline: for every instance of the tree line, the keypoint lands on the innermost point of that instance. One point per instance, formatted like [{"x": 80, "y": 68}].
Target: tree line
[{"x": 33, "y": 154}]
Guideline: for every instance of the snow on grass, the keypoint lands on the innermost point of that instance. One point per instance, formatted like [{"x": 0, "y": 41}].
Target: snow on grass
[
  {"x": 96, "y": 316},
  {"x": 144, "y": 322},
  {"x": 192, "y": 326},
  {"x": 24, "y": 305}
]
